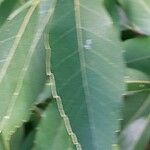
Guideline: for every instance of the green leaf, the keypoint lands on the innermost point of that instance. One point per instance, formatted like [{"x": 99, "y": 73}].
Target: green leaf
[
  {"x": 136, "y": 105},
  {"x": 51, "y": 132},
  {"x": 5, "y": 9},
  {"x": 22, "y": 67},
  {"x": 137, "y": 57},
  {"x": 136, "y": 123},
  {"x": 144, "y": 138},
  {"x": 136, "y": 135},
  {"x": 138, "y": 12},
  {"x": 17, "y": 139},
  {"x": 137, "y": 54},
  {"x": 136, "y": 99},
  {"x": 137, "y": 80},
  {"x": 45, "y": 94},
  {"x": 28, "y": 141},
  {"x": 113, "y": 11},
  {"x": 87, "y": 65},
  {"x": 1, "y": 143},
  {"x": 1, "y": 1}
]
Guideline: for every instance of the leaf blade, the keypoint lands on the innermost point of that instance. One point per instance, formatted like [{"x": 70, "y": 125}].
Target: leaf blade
[
  {"x": 52, "y": 136},
  {"x": 135, "y": 134},
  {"x": 76, "y": 47},
  {"x": 139, "y": 20},
  {"x": 27, "y": 73}
]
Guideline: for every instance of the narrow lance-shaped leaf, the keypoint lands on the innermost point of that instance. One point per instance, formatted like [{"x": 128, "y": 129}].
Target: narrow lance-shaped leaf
[
  {"x": 87, "y": 65},
  {"x": 22, "y": 67}
]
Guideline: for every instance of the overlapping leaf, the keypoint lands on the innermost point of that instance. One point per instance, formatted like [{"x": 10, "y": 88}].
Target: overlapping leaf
[
  {"x": 138, "y": 12},
  {"x": 52, "y": 133},
  {"x": 136, "y": 135},
  {"x": 5, "y": 9},
  {"x": 22, "y": 63}
]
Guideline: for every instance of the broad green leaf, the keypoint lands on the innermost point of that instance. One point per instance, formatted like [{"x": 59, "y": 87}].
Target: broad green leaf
[
  {"x": 51, "y": 132},
  {"x": 138, "y": 12},
  {"x": 87, "y": 64},
  {"x": 22, "y": 67}
]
